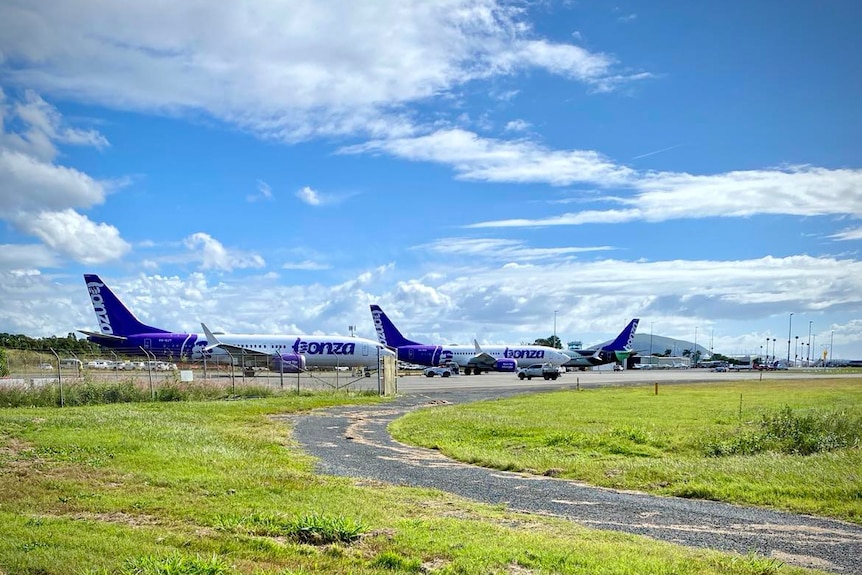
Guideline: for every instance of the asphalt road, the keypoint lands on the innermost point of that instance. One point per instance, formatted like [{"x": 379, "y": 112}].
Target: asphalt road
[{"x": 353, "y": 442}]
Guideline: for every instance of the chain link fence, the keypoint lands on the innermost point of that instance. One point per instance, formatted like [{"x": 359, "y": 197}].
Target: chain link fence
[{"x": 27, "y": 369}]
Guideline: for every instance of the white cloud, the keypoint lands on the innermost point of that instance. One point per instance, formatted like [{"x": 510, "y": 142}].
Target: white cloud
[
  {"x": 213, "y": 255},
  {"x": 72, "y": 235},
  {"x": 28, "y": 184},
  {"x": 287, "y": 68},
  {"x": 26, "y": 257},
  {"x": 309, "y": 196},
  {"x": 522, "y": 161},
  {"x": 307, "y": 265},
  {"x": 264, "y": 192},
  {"x": 851, "y": 234},
  {"x": 517, "y": 126},
  {"x": 501, "y": 249},
  {"x": 801, "y": 191},
  {"x": 40, "y": 197},
  {"x": 312, "y": 197}
]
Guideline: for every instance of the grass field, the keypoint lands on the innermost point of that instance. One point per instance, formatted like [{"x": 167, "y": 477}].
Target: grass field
[
  {"x": 217, "y": 487},
  {"x": 792, "y": 445}
]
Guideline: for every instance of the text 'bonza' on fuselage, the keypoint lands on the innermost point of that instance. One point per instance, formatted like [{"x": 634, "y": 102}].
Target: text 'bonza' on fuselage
[{"x": 472, "y": 359}]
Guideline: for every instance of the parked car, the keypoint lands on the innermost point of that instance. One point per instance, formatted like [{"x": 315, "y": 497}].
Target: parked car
[
  {"x": 543, "y": 370},
  {"x": 447, "y": 370}
]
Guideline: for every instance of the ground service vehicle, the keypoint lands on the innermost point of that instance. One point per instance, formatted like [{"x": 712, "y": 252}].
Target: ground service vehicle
[
  {"x": 441, "y": 370},
  {"x": 544, "y": 370}
]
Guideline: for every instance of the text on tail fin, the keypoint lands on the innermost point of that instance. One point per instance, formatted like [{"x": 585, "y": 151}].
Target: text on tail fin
[
  {"x": 376, "y": 312},
  {"x": 94, "y": 287}
]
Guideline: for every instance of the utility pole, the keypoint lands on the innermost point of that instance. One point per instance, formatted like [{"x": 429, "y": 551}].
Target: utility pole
[{"x": 789, "y": 331}]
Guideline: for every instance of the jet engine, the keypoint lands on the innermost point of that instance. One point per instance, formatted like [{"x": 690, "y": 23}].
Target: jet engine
[
  {"x": 287, "y": 363},
  {"x": 506, "y": 364}
]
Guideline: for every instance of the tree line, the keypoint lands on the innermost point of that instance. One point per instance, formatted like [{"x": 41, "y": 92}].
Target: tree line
[{"x": 70, "y": 343}]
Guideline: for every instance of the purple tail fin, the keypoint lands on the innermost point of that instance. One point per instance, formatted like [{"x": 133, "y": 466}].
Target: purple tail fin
[
  {"x": 624, "y": 339},
  {"x": 387, "y": 333},
  {"x": 113, "y": 317}
]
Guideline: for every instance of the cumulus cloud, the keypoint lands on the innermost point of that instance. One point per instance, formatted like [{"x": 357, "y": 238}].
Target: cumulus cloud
[
  {"x": 288, "y": 69},
  {"x": 213, "y": 255},
  {"x": 309, "y": 196},
  {"x": 39, "y": 197},
  {"x": 72, "y": 235}
]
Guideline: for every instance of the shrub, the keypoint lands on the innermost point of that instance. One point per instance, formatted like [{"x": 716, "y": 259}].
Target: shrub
[{"x": 792, "y": 433}]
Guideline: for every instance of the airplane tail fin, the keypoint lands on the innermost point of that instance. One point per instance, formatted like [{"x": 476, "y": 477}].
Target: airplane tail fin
[
  {"x": 624, "y": 339},
  {"x": 113, "y": 317},
  {"x": 387, "y": 333}
]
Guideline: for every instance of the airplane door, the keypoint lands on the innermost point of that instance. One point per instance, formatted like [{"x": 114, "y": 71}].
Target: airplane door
[
  {"x": 365, "y": 349},
  {"x": 148, "y": 343}
]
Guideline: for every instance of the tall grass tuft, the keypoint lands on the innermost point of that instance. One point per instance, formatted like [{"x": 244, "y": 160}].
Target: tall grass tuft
[
  {"x": 312, "y": 529},
  {"x": 88, "y": 392},
  {"x": 791, "y": 433},
  {"x": 177, "y": 564}
]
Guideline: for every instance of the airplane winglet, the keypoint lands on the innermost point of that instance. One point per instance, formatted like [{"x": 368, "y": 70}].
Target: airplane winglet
[
  {"x": 478, "y": 349},
  {"x": 212, "y": 340}
]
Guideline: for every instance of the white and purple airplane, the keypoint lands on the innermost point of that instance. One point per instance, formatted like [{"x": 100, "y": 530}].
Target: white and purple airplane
[
  {"x": 472, "y": 359},
  {"x": 121, "y": 331},
  {"x": 292, "y": 352}
]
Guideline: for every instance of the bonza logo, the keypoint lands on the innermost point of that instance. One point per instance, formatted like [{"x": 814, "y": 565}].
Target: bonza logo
[
  {"x": 524, "y": 353},
  {"x": 378, "y": 325},
  {"x": 95, "y": 289},
  {"x": 323, "y": 347}
]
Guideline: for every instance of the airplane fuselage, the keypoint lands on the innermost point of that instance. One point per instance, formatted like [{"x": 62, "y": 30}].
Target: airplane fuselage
[
  {"x": 164, "y": 345},
  {"x": 523, "y": 355},
  {"x": 318, "y": 350}
]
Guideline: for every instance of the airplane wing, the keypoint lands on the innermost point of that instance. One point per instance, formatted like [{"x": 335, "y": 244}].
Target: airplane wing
[
  {"x": 249, "y": 357},
  {"x": 213, "y": 342},
  {"x": 481, "y": 357},
  {"x": 100, "y": 335}
]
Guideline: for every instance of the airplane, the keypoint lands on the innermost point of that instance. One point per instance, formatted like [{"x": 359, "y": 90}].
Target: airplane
[
  {"x": 471, "y": 359},
  {"x": 121, "y": 331},
  {"x": 618, "y": 350},
  {"x": 292, "y": 352}
]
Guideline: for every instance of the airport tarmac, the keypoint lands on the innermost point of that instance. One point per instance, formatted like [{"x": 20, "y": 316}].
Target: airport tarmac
[{"x": 599, "y": 378}]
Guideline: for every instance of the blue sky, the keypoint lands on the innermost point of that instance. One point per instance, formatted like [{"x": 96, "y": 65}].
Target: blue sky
[{"x": 477, "y": 168}]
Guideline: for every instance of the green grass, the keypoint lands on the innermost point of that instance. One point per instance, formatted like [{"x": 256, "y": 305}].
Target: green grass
[
  {"x": 791, "y": 445},
  {"x": 219, "y": 488}
]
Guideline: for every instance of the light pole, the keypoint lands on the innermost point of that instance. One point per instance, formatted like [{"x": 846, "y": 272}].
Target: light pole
[
  {"x": 789, "y": 330},
  {"x": 555, "y": 329},
  {"x": 650, "y": 339},
  {"x": 767, "y": 351},
  {"x": 808, "y": 356},
  {"x": 695, "y": 346},
  {"x": 796, "y": 352},
  {"x": 773, "y": 348},
  {"x": 831, "y": 337}
]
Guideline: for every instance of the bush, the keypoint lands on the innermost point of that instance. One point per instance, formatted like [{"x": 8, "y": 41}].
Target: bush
[{"x": 791, "y": 433}]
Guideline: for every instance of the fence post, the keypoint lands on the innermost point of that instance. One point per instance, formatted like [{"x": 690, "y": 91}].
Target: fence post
[{"x": 59, "y": 376}]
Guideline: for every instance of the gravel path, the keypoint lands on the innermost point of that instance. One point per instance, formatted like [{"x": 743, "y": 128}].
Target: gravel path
[{"x": 353, "y": 442}]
